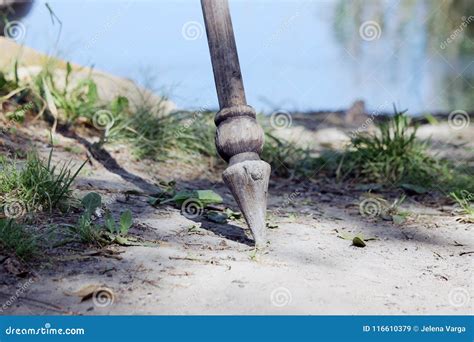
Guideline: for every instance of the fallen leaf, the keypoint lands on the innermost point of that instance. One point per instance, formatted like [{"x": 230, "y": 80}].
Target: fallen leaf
[
  {"x": 216, "y": 217},
  {"x": 398, "y": 219},
  {"x": 206, "y": 197},
  {"x": 344, "y": 236},
  {"x": 123, "y": 241},
  {"x": 232, "y": 215},
  {"x": 85, "y": 292},
  {"x": 271, "y": 225},
  {"x": 358, "y": 242},
  {"x": 153, "y": 201},
  {"x": 14, "y": 267},
  {"x": 88, "y": 291}
]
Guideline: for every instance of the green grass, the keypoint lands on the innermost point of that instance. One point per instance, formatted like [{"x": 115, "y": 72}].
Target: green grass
[
  {"x": 15, "y": 239},
  {"x": 87, "y": 232},
  {"x": 289, "y": 160},
  {"x": 150, "y": 131},
  {"x": 75, "y": 101},
  {"x": 63, "y": 104},
  {"x": 92, "y": 233},
  {"x": 36, "y": 184},
  {"x": 465, "y": 201},
  {"x": 6, "y": 85},
  {"x": 392, "y": 156},
  {"x": 154, "y": 134}
]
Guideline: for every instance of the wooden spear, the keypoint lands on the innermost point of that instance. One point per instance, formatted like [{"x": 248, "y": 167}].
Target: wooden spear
[{"x": 239, "y": 137}]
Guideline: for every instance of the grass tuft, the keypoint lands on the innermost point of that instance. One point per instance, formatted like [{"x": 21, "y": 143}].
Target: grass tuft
[
  {"x": 36, "y": 184},
  {"x": 392, "y": 156},
  {"x": 155, "y": 134},
  {"x": 465, "y": 201},
  {"x": 289, "y": 160},
  {"x": 14, "y": 238}
]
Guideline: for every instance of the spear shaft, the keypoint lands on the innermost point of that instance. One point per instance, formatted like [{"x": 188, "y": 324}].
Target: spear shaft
[{"x": 239, "y": 137}]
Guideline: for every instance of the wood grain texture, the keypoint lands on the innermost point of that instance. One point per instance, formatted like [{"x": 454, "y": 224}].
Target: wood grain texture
[
  {"x": 237, "y": 128},
  {"x": 239, "y": 137},
  {"x": 225, "y": 61},
  {"x": 248, "y": 181}
]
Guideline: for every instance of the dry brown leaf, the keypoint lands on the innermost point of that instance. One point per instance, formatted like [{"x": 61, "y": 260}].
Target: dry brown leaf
[
  {"x": 14, "y": 267},
  {"x": 85, "y": 292}
]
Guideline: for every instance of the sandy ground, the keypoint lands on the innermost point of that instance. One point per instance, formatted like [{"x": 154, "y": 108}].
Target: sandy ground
[{"x": 421, "y": 266}]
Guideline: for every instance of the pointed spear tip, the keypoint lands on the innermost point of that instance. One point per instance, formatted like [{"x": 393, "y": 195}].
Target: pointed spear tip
[{"x": 248, "y": 181}]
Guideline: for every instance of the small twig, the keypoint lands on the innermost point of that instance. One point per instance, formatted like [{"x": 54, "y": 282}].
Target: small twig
[
  {"x": 54, "y": 17},
  {"x": 50, "y": 306},
  {"x": 184, "y": 274},
  {"x": 210, "y": 262},
  {"x": 464, "y": 253},
  {"x": 108, "y": 270},
  {"x": 215, "y": 207},
  {"x": 40, "y": 113},
  {"x": 437, "y": 254},
  {"x": 12, "y": 93}
]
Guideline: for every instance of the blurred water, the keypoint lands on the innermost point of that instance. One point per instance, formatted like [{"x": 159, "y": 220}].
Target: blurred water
[{"x": 295, "y": 55}]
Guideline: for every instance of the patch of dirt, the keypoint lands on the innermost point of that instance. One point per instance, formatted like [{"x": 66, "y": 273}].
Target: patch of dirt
[{"x": 420, "y": 266}]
